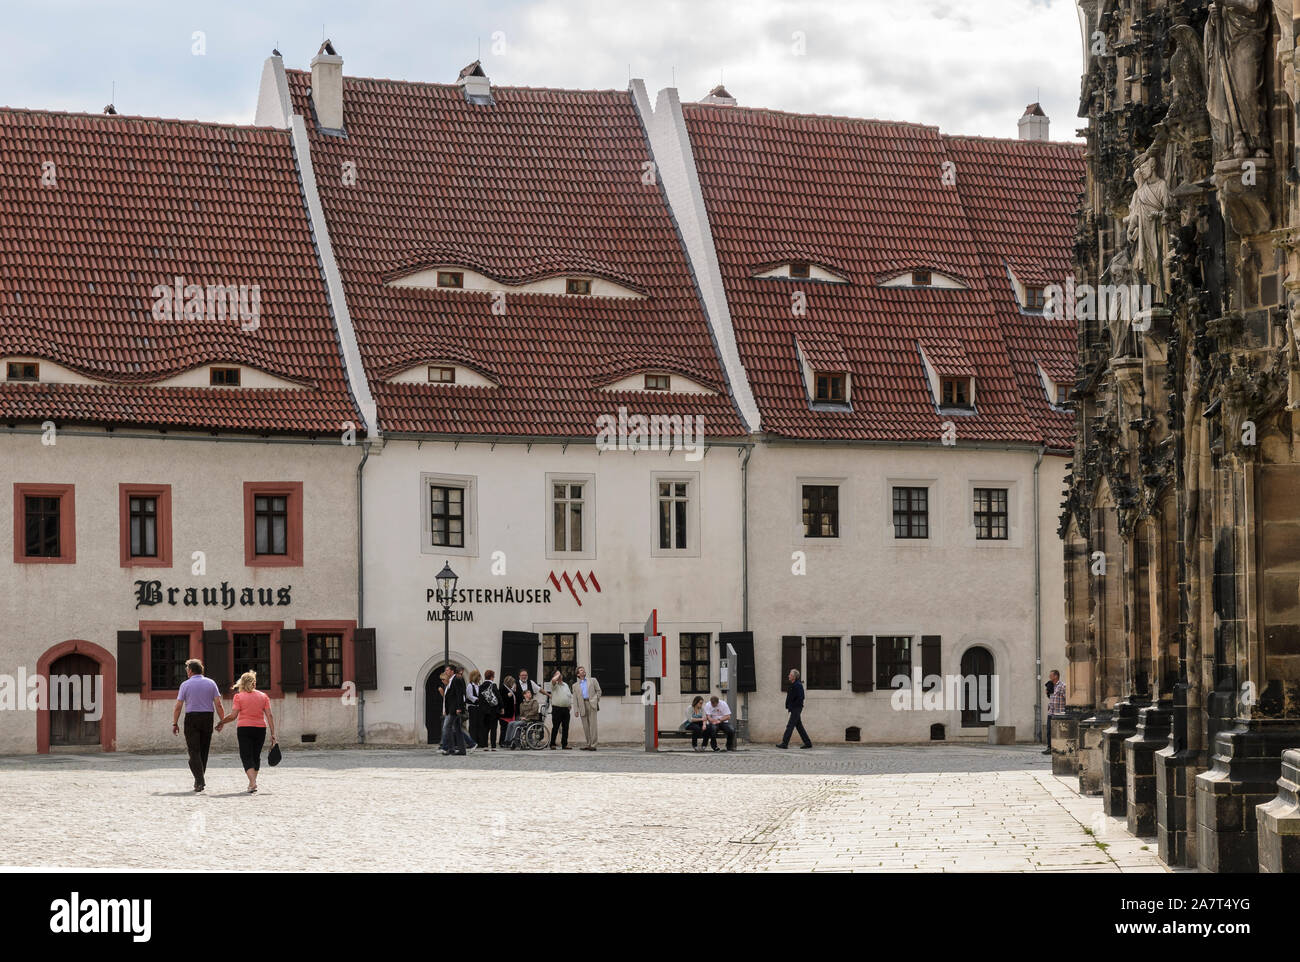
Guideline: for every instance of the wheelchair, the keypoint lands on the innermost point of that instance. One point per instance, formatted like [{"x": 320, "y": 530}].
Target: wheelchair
[{"x": 532, "y": 735}]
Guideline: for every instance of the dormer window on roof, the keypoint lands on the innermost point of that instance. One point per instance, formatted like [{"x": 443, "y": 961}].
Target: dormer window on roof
[
  {"x": 950, "y": 373},
  {"x": 831, "y": 387},
  {"x": 800, "y": 270},
  {"x": 441, "y": 375},
  {"x": 955, "y": 392},
  {"x": 658, "y": 382},
  {"x": 453, "y": 279},
  {"x": 577, "y": 285},
  {"x": 22, "y": 371},
  {"x": 925, "y": 277},
  {"x": 224, "y": 377},
  {"x": 1035, "y": 298}
]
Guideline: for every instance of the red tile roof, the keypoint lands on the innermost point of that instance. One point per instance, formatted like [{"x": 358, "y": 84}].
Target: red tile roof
[
  {"x": 947, "y": 356},
  {"x": 546, "y": 182},
  {"x": 874, "y": 193},
  {"x": 135, "y": 203}
]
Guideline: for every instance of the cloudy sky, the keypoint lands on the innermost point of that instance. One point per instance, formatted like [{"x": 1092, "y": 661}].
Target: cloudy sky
[{"x": 967, "y": 66}]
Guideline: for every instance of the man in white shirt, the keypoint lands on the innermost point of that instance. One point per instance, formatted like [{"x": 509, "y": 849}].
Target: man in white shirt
[{"x": 717, "y": 716}]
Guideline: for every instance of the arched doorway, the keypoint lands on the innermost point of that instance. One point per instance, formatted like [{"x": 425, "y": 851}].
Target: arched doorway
[
  {"x": 69, "y": 725},
  {"x": 976, "y": 663},
  {"x": 73, "y": 688},
  {"x": 433, "y": 703}
]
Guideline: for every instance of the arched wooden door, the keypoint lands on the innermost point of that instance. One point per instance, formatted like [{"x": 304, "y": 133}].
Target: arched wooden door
[
  {"x": 433, "y": 705},
  {"x": 977, "y": 663},
  {"x": 71, "y": 691}
]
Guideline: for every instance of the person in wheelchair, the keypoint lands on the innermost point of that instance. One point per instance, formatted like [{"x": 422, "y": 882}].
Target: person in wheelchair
[{"x": 530, "y": 712}]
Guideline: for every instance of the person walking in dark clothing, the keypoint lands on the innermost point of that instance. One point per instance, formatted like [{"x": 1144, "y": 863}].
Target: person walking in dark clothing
[
  {"x": 489, "y": 700},
  {"x": 794, "y": 705},
  {"x": 200, "y": 697},
  {"x": 454, "y": 705}
]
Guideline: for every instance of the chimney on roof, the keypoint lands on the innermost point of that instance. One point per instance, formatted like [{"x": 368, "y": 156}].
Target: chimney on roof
[
  {"x": 476, "y": 86},
  {"x": 1034, "y": 123},
  {"x": 719, "y": 95},
  {"x": 327, "y": 87}
]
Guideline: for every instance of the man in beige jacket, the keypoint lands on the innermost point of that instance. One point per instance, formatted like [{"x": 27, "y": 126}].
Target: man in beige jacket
[{"x": 586, "y": 703}]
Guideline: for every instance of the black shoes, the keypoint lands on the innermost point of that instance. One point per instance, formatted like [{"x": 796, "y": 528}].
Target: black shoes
[
  {"x": 1047, "y": 751},
  {"x": 809, "y": 745},
  {"x": 782, "y": 745}
]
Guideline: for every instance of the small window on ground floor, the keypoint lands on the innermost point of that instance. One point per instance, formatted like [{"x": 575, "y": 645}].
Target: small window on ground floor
[
  {"x": 823, "y": 663},
  {"x": 693, "y": 662}
]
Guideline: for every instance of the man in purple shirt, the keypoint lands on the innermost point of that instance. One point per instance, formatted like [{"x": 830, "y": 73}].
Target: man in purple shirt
[{"x": 199, "y": 696}]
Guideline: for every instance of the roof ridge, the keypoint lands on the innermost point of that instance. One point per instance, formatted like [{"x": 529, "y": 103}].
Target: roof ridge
[
  {"x": 137, "y": 118},
  {"x": 456, "y": 87}
]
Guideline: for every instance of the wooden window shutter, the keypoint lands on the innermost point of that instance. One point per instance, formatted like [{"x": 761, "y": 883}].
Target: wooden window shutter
[
  {"x": 291, "y": 673},
  {"x": 365, "y": 658},
  {"x": 862, "y": 657},
  {"x": 520, "y": 650},
  {"x": 216, "y": 659},
  {"x": 745, "y": 675},
  {"x": 791, "y": 658},
  {"x": 930, "y": 659},
  {"x": 130, "y": 663},
  {"x": 607, "y": 663}
]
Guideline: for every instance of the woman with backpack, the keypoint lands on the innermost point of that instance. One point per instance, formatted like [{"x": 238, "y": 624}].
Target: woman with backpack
[
  {"x": 489, "y": 707},
  {"x": 508, "y": 695}
]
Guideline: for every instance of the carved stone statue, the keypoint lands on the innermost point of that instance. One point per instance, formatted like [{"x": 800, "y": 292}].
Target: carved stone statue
[
  {"x": 1187, "y": 124},
  {"x": 1145, "y": 218},
  {"x": 1119, "y": 274},
  {"x": 1234, "y": 54}
]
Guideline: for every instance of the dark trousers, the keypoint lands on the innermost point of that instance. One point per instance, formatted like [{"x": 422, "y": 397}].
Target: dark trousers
[
  {"x": 505, "y": 724},
  {"x": 456, "y": 736},
  {"x": 198, "y": 739},
  {"x": 476, "y": 723},
  {"x": 696, "y": 729},
  {"x": 796, "y": 724},
  {"x": 560, "y": 717},
  {"x": 489, "y": 729},
  {"x": 251, "y": 739},
  {"x": 711, "y": 734}
]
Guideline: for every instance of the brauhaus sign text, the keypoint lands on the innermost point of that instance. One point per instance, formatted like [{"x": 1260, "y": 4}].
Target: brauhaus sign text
[{"x": 149, "y": 593}]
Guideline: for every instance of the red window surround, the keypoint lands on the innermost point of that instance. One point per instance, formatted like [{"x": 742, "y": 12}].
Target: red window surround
[
  {"x": 163, "y": 522},
  {"x": 292, "y": 491},
  {"x": 344, "y": 628},
  {"x": 272, "y": 628},
  {"x": 67, "y": 522},
  {"x": 147, "y": 628}
]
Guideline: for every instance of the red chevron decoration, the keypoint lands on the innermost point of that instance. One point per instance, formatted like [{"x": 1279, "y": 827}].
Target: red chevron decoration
[{"x": 582, "y": 583}]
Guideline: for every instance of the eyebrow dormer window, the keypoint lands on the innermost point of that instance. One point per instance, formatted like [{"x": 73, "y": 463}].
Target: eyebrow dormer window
[
  {"x": 453, "y": 279},
  {"x": 800, "y": 270},
  {"x": 955, "y": 392},
  {"x": 22, "y": 371},
  {"x": 830, "y": 388},
  {"x": 920, "y": 278},
  {"x": 576, "y": 285},
  {"x": 224, "y": 377},
  {"x": 442, "y": 375},
  {"x": 658, "y": 382},
  {"x": 1035, "y": 298}
]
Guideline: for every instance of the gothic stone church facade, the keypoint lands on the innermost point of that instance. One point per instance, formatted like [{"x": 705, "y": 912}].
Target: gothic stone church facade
[{"x": 1182, "y": 518}]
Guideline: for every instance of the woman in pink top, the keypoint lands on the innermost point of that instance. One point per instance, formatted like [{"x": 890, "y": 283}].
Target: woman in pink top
[{"x": 253, "y": 710}]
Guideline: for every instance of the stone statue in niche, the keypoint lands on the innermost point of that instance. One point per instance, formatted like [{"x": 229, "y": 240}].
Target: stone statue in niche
[
  {"x": 1234, "y": 68},
  {"x": 1146, "y": 212},
  {"x": 1185, "y": 131},
  {"x": 1118, "y": 274}
]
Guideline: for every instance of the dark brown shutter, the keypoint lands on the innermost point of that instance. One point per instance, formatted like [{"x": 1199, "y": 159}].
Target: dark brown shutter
[
  {"x": 365, "y": 659},
  {"x": 607, "y": 663},
  {"x": 862, "y": 656},
  {"x": 519, "y": 649},
  {"x": 216, "y": 658},
  {"x": 791, "y": 658},
  {"x": 930, "y": 659},
  {"x": 291, "y": 676},
  {"x": 130, "y": 662},
  {"x": 744, "y": 675}
]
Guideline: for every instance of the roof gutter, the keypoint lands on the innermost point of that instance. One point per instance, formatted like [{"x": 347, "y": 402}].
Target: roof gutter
[{"x": 361, "y": 581}]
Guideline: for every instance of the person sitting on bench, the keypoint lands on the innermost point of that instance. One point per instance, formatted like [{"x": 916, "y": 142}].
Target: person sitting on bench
[{"x": 717, "y": 716}]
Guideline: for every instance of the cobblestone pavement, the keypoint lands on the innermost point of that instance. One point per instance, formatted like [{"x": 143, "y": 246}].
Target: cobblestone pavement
[{"x": 902, "y": 808}]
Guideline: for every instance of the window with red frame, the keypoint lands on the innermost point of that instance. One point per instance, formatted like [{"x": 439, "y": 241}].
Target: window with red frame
[{"x": 44, "y": 524}]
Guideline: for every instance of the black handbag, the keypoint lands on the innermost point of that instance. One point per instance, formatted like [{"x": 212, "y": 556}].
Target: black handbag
[{"x": 273, "y": 756}]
